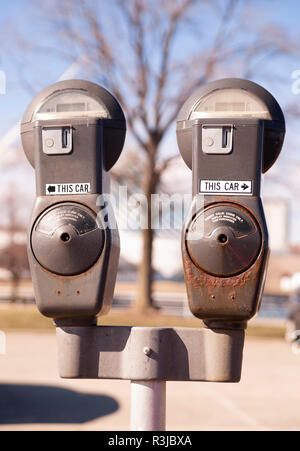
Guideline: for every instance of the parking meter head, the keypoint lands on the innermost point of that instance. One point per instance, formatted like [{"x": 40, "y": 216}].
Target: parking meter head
[
  {"x": 75, "y": 100},
  {"x": 72, "y": 134},
  {"x": 228, "y": 132},
  {"x": 227, "y": 99}
]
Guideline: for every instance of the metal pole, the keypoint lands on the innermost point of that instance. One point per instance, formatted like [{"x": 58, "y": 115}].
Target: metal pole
[{"x": 148, "y": 405}]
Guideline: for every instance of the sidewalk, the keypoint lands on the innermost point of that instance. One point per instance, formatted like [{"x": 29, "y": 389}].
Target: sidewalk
[{"x": 32, "y": 397}]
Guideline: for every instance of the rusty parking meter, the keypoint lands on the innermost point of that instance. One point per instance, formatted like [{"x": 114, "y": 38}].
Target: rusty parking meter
[
  {"x": 72, "y": 134},
  {"x": 229, "y": 132}
]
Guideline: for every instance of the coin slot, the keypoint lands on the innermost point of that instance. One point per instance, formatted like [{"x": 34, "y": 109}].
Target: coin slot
[
  {"x": 65, "y": 237},
  {"x": 226, "y": 132},
  {"x": 66, "y": 138},
  {"x": 222, "y": 238}
]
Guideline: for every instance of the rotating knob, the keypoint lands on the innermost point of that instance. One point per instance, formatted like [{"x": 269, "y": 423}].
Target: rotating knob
[
  {"x": 223, "y": 240},
  {"x": 67, "y": 239}
]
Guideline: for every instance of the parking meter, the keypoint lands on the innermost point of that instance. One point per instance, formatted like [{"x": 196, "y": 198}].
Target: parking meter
[
  {"x": 228, "y": 133},
  {"x": 72, "y": 134}
]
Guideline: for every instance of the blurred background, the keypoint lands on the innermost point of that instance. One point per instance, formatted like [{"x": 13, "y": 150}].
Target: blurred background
[{"x": 151, "y": 56}]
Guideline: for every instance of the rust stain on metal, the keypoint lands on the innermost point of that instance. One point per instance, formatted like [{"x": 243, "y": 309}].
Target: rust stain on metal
[{"x": 198, "y": 278}]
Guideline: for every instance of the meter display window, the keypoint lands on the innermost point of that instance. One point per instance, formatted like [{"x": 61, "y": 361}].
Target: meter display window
[
  {"x": 71, "y": 103},
  {"x": 230, "y": 103}
]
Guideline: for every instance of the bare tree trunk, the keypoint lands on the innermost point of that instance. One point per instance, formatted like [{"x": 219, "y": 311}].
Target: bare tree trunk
[
  {"x": 14, "y": 288},
  {"x": 144, "y": 300},
  {"x": 145, "y": 272}
]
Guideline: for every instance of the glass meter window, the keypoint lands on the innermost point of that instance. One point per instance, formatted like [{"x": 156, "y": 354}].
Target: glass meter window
[
  {"x": 71, "y": 103},
  {"x": 230, "y": 103}
]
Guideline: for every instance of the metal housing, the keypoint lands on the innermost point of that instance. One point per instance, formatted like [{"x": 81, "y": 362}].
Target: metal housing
[
  {"x": 225, "y": 239},
  {"x": 274, "y": 129},
  {"x": 73, "y": 242},
  {"x": 114, "y": 127}
]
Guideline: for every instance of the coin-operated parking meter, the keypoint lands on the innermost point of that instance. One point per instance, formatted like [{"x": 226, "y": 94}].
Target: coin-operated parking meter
[
  {"x": 228, "y": 132},
  {"x": 72, "y": 134}
]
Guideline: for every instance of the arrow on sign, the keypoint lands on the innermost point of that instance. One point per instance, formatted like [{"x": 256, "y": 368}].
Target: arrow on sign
[
  {"x": 244, "y": 186},
  {"x": 51, "y": 189}
]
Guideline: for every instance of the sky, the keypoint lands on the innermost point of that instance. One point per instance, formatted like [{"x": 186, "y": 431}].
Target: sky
[{"x": 16, "y": 15}]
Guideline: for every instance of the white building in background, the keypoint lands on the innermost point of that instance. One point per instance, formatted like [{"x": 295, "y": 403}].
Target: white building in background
[
  {"x": 5, "y": 238},
  {"x": 277, "y": 217},
  {"x": 166, "y": 252}
]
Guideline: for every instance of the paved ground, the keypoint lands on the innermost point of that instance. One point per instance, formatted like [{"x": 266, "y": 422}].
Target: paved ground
[{"x": 32, "y": 397}]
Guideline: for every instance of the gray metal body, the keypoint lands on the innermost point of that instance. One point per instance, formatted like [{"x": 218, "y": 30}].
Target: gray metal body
[
  {"x": 227, "y": 302},
  {"x": 75, "y": 299},
  {"x": 72, "y": 133},
  {"x": 225, "y": 240},
  {"x": 150, "y": 353},
  {"x": 233, "y": 298}
]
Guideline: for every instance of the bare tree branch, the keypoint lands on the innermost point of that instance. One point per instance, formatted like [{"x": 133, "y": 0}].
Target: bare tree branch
[{"x": 153, "y": 55}]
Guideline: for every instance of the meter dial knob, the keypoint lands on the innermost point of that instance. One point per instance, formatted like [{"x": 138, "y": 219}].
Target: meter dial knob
[
  {"x": 223, "y": 240},
  {"x": 67, "y": 239}
]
